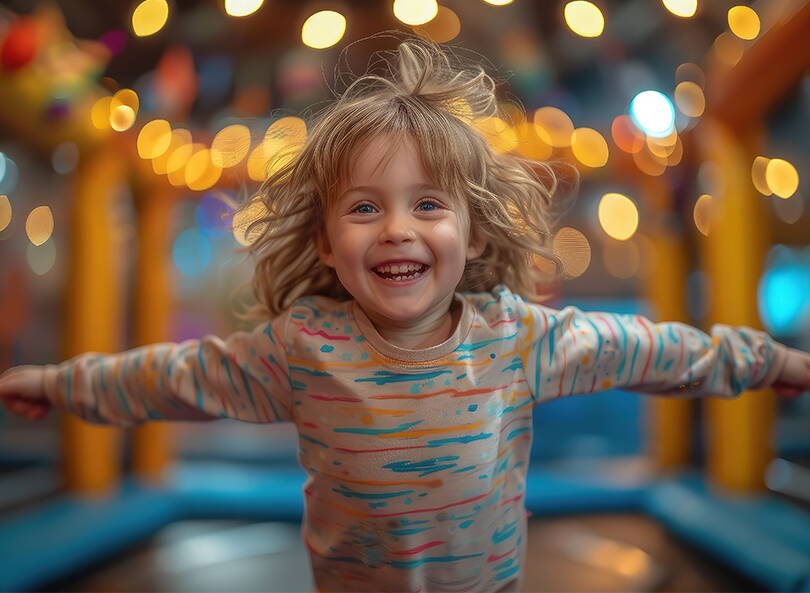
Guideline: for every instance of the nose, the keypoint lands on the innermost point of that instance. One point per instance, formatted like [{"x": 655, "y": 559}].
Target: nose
[{"x": 397, "y": 228}]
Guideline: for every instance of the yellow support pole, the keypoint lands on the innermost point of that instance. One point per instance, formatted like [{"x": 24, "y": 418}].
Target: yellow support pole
[
  {"x": 669, "y": 419},
  {"x": 91, "y": 453},
  {"x": 739, "y": 431},
  {"x": 152, "y": 451}
]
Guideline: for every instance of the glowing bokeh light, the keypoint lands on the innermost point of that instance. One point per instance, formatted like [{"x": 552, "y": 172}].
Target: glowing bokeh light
[
  {"x": 689, "y": 98},
  {"x": 242, "y": 7},
  {"x": 122, "y": 118},
  {"x": 554, "y": 124},
  {"x": 179, "y": 137},
  {"x": 653, "y": 113},
  {"x": 445, "y": 27},
  {"x": 681, "y": 8},
  {"x": 230, "y": 145},
  {"x": 649, "y": 164},
  {"x": 743, "y": 22},
  {"x": 728, "y": 49},
  {"x": 200, "y": 172},
  {"x": 626, "y": 135},
  {"x": 702, "y": 214},
  {"x": 530, "y": 144},
  {"x": 244, "y": 218},
  {"x": 781, "y": 177},
  {"x": 690, "y": 72},
  {"x": 100, "y": 113},
  {"x": 758, "y": 168},
  {"x": 584, "y": 18},
  {"x": 415, "y": 12},
  {"x": 9, "y": 174},
  {"x": 41, "y": 258},
  {"x": 323, "y": 29},
  {"x": 499, "y": 2},
  {"x": 126, "y": 97},
  {"x": 500, "y": 135},
  {"x": 154, "y": 139},
  {"x": 622, "y": 259},
  {"x": 149, "y": 17},
  {"x": 784, "y": 292},
  {"x": 589, "y": 147},
  {"x": 191, "y": 252},
  {"x": 213, "y": 213},
  {"x": 176, "y": 167},
  {"x": 39, "y": 225},
  {"x": 618, "y": 216},
  {"x": 573, "y": 250},
  {"x": 5, "y": 212}
]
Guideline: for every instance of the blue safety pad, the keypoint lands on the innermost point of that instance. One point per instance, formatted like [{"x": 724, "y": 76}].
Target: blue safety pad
[
  {"x": 760, "y": 536},
  {"x": 548, "y": 493}
]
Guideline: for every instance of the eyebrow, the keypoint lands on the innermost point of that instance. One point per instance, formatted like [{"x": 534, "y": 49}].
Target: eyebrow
[{"x": 374, "y": 189}]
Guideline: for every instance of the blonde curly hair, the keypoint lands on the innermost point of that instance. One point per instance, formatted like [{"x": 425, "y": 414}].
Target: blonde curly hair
[{"x": 423, "y": 95}]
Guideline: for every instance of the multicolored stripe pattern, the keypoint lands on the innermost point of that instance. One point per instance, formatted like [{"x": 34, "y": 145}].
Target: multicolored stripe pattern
[{"x": 416, "y": 471}]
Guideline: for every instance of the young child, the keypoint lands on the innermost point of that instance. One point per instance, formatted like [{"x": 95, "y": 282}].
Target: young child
[{"x": 395, "y": 273}]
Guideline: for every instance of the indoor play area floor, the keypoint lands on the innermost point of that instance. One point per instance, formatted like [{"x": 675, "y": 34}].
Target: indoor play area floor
[{"x": 595, "y": 553}]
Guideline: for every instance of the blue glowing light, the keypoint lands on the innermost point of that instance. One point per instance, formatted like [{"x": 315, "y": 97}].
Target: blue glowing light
[
  {"x": 653, "y": 113},
  {"x": 784, "y": 293},
  {"x": 191, "y": 252}
]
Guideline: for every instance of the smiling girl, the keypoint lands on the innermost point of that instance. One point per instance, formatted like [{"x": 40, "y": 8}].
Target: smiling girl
[{"x": 401, "y": 334}]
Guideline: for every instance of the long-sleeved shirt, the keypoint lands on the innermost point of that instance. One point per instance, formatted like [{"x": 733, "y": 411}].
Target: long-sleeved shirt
[{"x": 416, "y": 459}]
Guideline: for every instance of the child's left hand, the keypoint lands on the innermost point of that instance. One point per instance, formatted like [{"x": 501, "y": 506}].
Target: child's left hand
[{"x": 795, "y": 375}]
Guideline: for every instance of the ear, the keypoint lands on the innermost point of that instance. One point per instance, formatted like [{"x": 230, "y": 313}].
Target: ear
[{"x": 324, "y": 248}]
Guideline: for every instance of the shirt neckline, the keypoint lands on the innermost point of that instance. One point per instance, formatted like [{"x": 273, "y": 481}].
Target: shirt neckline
[{"x": 405, "y": 355}]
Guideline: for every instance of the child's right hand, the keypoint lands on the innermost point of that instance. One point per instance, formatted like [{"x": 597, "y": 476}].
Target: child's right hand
[{"x": 22, "y": 391}]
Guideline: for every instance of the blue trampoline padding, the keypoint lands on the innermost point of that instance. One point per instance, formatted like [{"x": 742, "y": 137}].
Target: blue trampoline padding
[
  {"x": 550, "y": 494},
  {"x": 210, "y": 490},
  {"x": 46, "y": 544},
  {"x": 763, "y": 538}
]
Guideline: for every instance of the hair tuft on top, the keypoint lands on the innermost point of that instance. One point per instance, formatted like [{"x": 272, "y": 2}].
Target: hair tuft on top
[{"x": 424, "y": 92}]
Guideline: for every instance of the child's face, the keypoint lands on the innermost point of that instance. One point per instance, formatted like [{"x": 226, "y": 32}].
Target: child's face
[{"x": 391, "y": 212}]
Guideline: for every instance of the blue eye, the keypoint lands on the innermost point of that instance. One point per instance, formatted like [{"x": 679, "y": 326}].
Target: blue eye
[
  {"x": 357, "y": 208},
  {"x": 434, "y": 205}
]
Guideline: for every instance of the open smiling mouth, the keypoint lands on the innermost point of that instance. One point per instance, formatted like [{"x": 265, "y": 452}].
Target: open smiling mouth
[{"x": 401, "y": 273}]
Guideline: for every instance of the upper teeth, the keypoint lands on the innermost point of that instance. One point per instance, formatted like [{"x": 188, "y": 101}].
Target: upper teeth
[{"x": 398, "y": 268}]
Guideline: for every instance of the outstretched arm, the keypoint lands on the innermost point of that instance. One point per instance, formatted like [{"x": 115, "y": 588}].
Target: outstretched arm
[
  {"x": 570, "y": 352},
  {"x": 244, "y": 377}
]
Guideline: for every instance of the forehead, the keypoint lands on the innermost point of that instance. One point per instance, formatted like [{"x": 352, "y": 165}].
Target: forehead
[{"x": 387, "y": 157}]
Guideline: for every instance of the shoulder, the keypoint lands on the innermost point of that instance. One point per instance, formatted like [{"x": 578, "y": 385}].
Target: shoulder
[
  {"x": 498, "y": 307},
  {"x": 310, "y": 315}
]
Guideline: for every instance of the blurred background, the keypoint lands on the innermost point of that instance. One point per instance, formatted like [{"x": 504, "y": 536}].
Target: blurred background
[{"x": 130, "y": 132}]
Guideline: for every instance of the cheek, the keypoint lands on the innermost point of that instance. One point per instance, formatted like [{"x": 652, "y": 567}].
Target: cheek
[{"x": 446, "y": 237}]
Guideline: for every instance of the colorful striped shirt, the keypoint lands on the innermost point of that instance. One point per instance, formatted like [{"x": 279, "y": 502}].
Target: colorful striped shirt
[{"x": 416, "y": 459}]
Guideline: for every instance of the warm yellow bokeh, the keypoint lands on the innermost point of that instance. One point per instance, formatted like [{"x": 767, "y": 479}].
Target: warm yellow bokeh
[
  {"x": 323, "y": 29},
  {"x": 499, "y": 2},
  {"x": 149, "y": 17},
  {"x": 230, "y": 145},
  {"x": 39, "y": 225},
  {"x": 415, "y": 12},
  {"x": 584, "y": 18},
  {"x": 180, "y": 137},
  {"x": 758, "y": 168},
  {"x": 622, "y": 259},
  {"x": 445, "y": 27},
  {"x": 242, "y": 7},
  {"x": 781, "y": 177},
  {"x": 618, "y": 216},
  {"x": 100, "y": 113},
  {"x": 689, "y": 98},
  {"x": 121, "y": 118},
  {"x": 5, "y": 212},
  {"x": 176, "y": 167},
  {"x": 702, "y": 214},
  {"x": 530, "y": 144},
  {"x": 500, "y": 135},
  {"x": 201, "y": 172},
  {"x": 243, "y": 218},
  {"x": 728, "y": 49},
  {"x": 154, "y": 139},
  {"x": 554, "y": 124},
  {"x": 589, "y": 147},
  {"x": 682, "y": 8},
  {"x": 573, "y": 250},
  {"x": 743, "y": 22}
]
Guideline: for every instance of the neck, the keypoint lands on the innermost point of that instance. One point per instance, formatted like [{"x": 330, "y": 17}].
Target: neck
[{"x": 433, "y": 329}]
